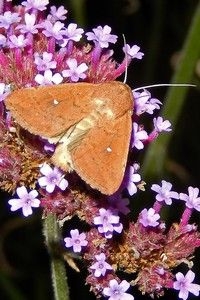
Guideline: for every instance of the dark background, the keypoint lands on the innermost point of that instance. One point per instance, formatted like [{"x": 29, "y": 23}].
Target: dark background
[{"x": 159, "y": 27}]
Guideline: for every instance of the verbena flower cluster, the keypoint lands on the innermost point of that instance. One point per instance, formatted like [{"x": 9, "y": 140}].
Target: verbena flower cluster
[{"x": 40, "y": 48}]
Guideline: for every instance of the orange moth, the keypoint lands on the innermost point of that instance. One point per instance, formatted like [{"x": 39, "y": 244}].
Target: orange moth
[{"x": 90, "y": 124}]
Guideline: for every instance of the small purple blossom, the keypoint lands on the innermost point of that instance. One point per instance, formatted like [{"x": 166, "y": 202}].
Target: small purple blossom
[
  {"x": 17, "y": 41},
  {"x": 48, "y": 78},
  {"x": 75, "y": 71},
  {"x": 100, "y": 266},
  {"x": 57, "y": 14},
  {"x": 131, "y": 178},
  {"x": 29, "y": 26},
  {"x": 52, "y": 178},
  {"x": 139, "y": 135},
  {"x": 8, "y": 18},
  {"x": 133, "y": 51},
  {"x": 160, "y": 125},
  {"x": 117, "y": 291},
  {"x": 77, "y": 240},
  {"x": 72, "y": 33},
  {"x": 44, "y": 61},
  {"x": 35, "y": 4},
  {"x": 25, "y": 201},
  {"x": 192, "y": 200},
  {"x": 55, "y": 30},
  {"x": 185, "y": 286},
  {"x": 101, "y": 36},
  {"x": 149, "y": 217},
  {"x": 4, "y": 91},
  {"x": 164, "y": 192},
  {"x": 144, "y": 103},
  {"x": 108, "y": 222},
  {"x": 2, "y": 40},
  {"x": 119, "y": 204}
]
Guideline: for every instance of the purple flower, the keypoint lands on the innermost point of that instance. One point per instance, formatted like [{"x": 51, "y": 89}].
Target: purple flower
[
  {"x": 8, "y": 18},
  {"x": 133, "y": 51},
  {"x": 164, "y": 192},
  {"x": 55, "y": 30},
  {"x": 116, "y": 291},
  {"x": 57, "y": 14},
  {"x": 72, "y": 33},
  {"x": 52, "y": 178},
  {"x": 139, "y": 135},
  {"x": 48, "y": 78},
  {"x": 144, "y": 103},
  {"x": 108, "y": 222},
  {"x": 77, "y": 240},
  {"x": 119, "y": 204},
  {"x": 101, "y": 266},
  {"x": 17, "y": 41},
  {"x": 36, "y": 4},
  {"x": 44, "y": 61},
  {"x": 192, "y": 200},
  {"x": 2, "y": 40},
  {"x": 25, "y": 201},
  {"x": 75, "y": 72},
  {"x": 101, "y": 35},
  {"x": 4, "y": 91},
  {"x": 29, "y": 26},
  {"x": 161, "y": 125},
  {"x": 131, "y": 178},
  {"x": 149, "y": 217},
  {"x": 185, "y": 286}
]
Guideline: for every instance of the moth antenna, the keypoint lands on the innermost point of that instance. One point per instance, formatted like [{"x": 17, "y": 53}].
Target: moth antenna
[
  {"x": 126, "y": 61},
  {"x": 164, "y": 84}
]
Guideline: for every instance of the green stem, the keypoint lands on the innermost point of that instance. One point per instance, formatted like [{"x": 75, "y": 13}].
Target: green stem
[
  {"x": 58, "y": 272},
  {"x": 155, "y": 158},
  {"x": 79, "y": 11}
]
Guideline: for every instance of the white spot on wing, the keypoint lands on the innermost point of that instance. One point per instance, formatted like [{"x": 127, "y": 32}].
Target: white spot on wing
[
  {"x": 55, "y": 102},
  {"x": 108, "y": 149}
]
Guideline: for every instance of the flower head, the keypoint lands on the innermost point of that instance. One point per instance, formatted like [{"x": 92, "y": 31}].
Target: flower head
[
  {"x": 48, "y": 78},
  {"x": 161, "y": 125},
  {"x": 144, "y": 103},
  {"x": 139, "y": 135},
  {"x": 149, "y": 217},
  {"x": 133, "y": 51},
  {"x": 26, "y": 201},
  {"x": 52, "y": 178},
  {"x": 185, "y": 286},
  {"x": 29, "y": 26},
  {"x": 44, "y": 61},
  {"x": 57, "y": 14},
  {"x": 108, "y": 222},
  {"x": 8, "y": 18},
  {"x": 132, "y": 178},
  {"x": 192, "y": 200},
  {"x": 164, "y": 192},
  {"x": 77, "y": 240},
  {"x": 117, "y": 291},
  {"x": 75, "y": 71},
  {"x": 100, "y": 266},
  {"x": 119, "y": 204},
  {"x": 101, "y": 36},
  {"x": 72, "y": 33},
  {"x": 36, "y": 4},
  {"x": 55, "y": 30}
]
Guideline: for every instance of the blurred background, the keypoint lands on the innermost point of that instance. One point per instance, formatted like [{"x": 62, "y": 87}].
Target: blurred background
[{"x": 160, "y": 28}]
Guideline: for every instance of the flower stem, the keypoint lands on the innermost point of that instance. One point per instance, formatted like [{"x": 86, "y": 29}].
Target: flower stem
[
  {"x": 58, "y": 272},
  {"x": 155, "y": 158}
]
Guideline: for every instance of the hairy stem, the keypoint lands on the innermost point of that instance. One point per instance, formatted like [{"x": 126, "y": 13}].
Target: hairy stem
[{"x": 52, "y": 235}]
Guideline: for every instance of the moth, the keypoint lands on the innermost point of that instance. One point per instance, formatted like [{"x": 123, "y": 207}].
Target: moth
[{"x": 90, "y": 124}]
